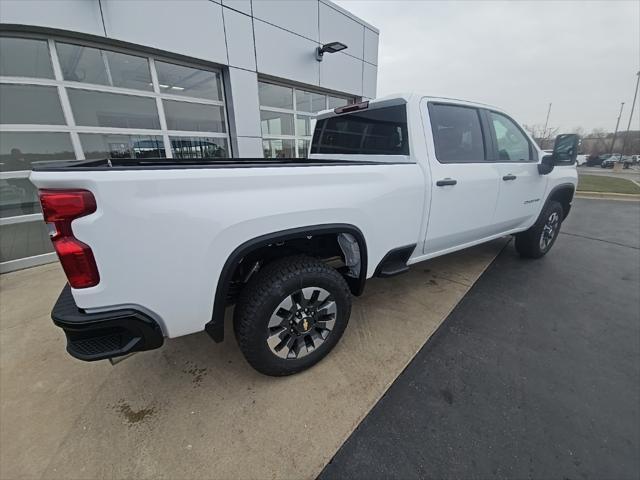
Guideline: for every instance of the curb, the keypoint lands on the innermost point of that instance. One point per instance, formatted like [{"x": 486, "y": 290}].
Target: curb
[{"x": 609, "y": 196}]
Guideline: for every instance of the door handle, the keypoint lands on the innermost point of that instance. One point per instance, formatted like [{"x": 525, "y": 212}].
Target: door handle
[
  {"x": 445, "y": 182},
  {"x": 506, "y": 178}
]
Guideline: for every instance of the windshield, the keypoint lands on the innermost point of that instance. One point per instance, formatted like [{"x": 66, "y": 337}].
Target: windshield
[{"x": 379, "y": 131}]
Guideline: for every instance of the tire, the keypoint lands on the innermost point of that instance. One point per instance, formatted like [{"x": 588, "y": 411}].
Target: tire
[
  {"x": 274, "y": 333},
  {"x": 532, "y": 243}
]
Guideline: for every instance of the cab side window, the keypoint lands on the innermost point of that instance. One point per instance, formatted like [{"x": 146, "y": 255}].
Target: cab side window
[
  {"x": 457, "y": 133},
  {"x": 512, "y": 144}
]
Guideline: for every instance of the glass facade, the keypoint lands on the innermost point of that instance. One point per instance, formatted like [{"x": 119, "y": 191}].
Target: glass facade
[
  {"x": 286, "y": 118},
  {"x": 61, "y": 100}
]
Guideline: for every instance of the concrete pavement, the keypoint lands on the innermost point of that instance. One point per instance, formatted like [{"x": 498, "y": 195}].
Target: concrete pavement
[{"x": 195, "y": 409}]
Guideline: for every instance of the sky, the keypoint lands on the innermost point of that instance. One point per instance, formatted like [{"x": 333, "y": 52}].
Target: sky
[{"x": 582, "y": 56}]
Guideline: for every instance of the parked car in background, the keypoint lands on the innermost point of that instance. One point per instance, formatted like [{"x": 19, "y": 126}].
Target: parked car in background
[
  {"x": 581, "y": 160},
  {"x": 595, "y": 160},
  {"x": 608, "y": 163},
  {"x": 611, "y": 160}
]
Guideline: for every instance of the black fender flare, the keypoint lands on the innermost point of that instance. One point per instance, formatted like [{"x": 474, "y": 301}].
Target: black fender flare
[
  {"x": 215, "y": 327},
  {"x": 557, "y": 188}
]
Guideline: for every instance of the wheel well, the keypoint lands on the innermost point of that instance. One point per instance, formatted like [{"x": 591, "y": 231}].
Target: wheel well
[
  {"x": 564, "y": 195},
  {"x": 325, "y": 247},
  {"x": 341, "y": 246}
]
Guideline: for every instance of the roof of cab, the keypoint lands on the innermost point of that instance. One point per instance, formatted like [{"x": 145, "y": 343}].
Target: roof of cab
[{"x": 407, "y": 97}]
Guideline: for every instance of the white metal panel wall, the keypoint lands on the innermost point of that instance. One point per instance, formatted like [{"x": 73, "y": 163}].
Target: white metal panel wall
[
  {"x": 240, "y": 44},
  {"x": 243, "y": 6},
  {"x": 341, "y": 72},
  {"x": 298, "y": 16},
  {"x": 337, "y": 27},
  {"x": 284, "y": 54},
  {"x": 189, "y": 27},
  {"x": 243, "y": 104},
  {"x": 75, "y": 15},
  {"x": 369, "y": 80},
  {"x": 371, "y": 40}
]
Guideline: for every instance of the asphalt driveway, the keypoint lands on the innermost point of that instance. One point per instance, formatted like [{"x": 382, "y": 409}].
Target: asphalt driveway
[{"x": 535, "y": 374}]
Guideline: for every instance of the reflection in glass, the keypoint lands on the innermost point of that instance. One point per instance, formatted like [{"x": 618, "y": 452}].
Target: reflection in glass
[
  {"x": 18, "y": 196},
  {"x": 275, "y": 96},
  {"x": 310, "y": 102},
  {"x": 335, "y": 102},
  {"x": 97, "y": 146},
  {"x": 279, "y": 148},
  {"x": 303, "y": 125},
  {"x": 303, "y": 148},
  {"x": 25, "y": 57},
  {"x": 20, "y": 240},
  {"x": 194, "y": 117},
  {"x": 274, "y": 123},
  {"x": 30, "y": 104},
  {"x": 103, "y": 67},
  {"x": 19, "y": 149},
  {"x": 199, "y": 147},
  {"x": 189, "y": 82},
  {"x": 100, "y": 109}
]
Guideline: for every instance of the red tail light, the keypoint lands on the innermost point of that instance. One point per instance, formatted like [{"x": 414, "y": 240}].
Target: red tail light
[{"x": 60, "y": 208}]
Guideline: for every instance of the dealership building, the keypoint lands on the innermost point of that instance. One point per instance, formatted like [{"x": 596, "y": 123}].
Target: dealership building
[{"x": 86, "y": 79}]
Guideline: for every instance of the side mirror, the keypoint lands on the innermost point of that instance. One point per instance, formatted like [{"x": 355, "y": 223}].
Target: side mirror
[
  {"x": 546, "y": 165},
  {"x": 565, "y": 150}
]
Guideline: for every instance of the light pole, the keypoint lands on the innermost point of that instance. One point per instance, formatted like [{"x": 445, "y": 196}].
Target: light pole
[
  {"x": 546, "y": 122},
  {"x": 635, "y": 95},
  {"x": 613, "y": 141}
]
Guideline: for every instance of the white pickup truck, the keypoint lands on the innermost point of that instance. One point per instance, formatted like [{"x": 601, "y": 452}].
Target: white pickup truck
[{"x": 159, "y": 248}]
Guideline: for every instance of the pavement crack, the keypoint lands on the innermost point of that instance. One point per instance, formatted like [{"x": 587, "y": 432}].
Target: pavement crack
[{"x": 599, "y": 240}]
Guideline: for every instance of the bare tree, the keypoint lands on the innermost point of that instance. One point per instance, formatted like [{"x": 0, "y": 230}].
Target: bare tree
[{"x": 544, "y": 138}]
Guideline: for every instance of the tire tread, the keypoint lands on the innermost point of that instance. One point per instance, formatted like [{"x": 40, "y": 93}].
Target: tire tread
[{"x": 261, "y": 288}]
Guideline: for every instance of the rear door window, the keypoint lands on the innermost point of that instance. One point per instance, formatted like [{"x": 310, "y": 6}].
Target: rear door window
[
  {"x": 457, "y": 133},
  {"x": 379, "y": 131}
]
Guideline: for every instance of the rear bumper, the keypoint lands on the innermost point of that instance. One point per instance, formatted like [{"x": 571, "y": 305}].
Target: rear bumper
[{"x": 96, "y": 336}]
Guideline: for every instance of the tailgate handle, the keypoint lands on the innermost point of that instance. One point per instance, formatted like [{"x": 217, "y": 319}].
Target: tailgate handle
[{"x": 445, "y": 182}]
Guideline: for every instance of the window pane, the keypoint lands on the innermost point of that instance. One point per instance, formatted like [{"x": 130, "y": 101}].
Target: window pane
[
  {"x": 303, "y": 148},
  {"x": 199, "y": 147},
  {"x": 190, "y": 82},
  {"x": 20, "y": 240},
  {"x": 97, "y": 145},
  {"x": 275, "y": 96},
  {"x": 457, "y": 134},
  {"x": 512, "y": 144},
  {"x": 103, "y": 67},
  {"x": 335, "y": 102},
  {"x": 310, "y": 102},
  {"x": 82, "y": 64},
  {"x": 24, "y": 57},
  {"x": 381, "y": 131},
  {"x": 274, "y": 123},
  {"x": 129, "y": 71},
  {"x": 279, "y": 148},
  {"x": 19, "y": 149},
  {"x": 30, "y": 104},
  {"x": 194, "y": 117},
  {"x": 100, "y": 109},
  {"x": 303, "y": 126},
  {"x": 18, "y": 196}
]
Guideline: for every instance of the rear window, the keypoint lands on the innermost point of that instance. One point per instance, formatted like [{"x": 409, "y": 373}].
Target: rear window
[
  {"x": 457, "y": 133},
  {"x": 379, "y": 131}
]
